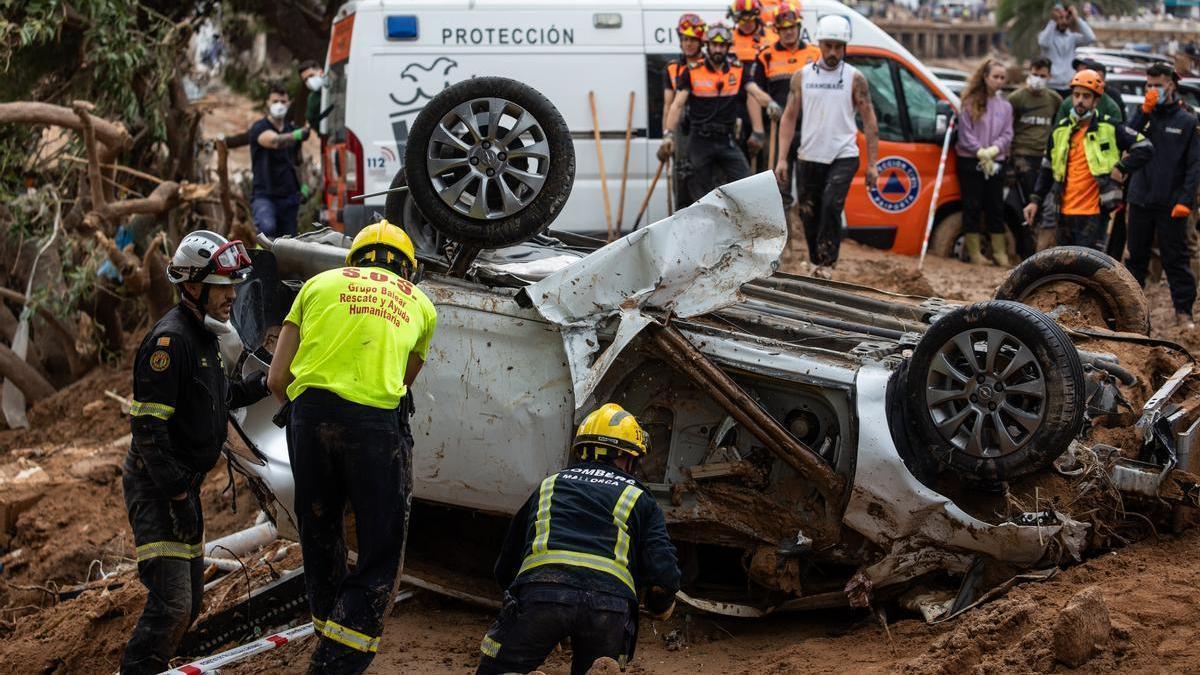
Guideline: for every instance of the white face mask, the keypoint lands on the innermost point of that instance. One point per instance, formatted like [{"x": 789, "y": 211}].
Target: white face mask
[
  {"x": 315, "y": 82},
  {"x": 278, "y": 110},
  {"x": 1035, "y": 82}
]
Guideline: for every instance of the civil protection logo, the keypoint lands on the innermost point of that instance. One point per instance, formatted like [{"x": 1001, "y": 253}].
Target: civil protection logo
[{"x": 901, "y": 185}]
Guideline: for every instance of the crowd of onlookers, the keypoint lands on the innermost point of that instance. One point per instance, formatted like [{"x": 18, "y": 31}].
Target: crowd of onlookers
[{"x": 1122, "y": 185}]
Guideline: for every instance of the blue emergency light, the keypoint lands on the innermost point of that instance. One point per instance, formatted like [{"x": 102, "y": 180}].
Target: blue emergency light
[{"x": 402, "y": 27}]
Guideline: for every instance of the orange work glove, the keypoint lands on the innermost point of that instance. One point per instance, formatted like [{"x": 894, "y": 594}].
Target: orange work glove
[
  {"x": 1150, "y": 101},
  {"x": 1180, "y": 211}
]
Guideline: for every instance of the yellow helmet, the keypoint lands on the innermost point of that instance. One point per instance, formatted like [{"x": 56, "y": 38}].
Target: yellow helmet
[
  {"x": 611, "y": 428},
  {"x": 378, "y": 245}
]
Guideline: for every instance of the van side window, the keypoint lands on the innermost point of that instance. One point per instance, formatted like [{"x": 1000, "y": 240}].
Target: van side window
[
  {"x": 881, "y": 78},
  {"x": 921, "y": 106}
]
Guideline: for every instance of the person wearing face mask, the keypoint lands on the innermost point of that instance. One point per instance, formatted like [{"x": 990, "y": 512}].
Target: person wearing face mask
[
  {"x": 313, "y": 77},
  {"x": 1110, "y": 105},
  {"x": 1083, "y": 162},
  {"x": 274, "y": 157},
  {"x": 829, "y": 93},
  {"x": 179, "y": 417},
  {"x": 713, "y": 92},
  {"x": 1034, "y": 107},
  {"x": 1162, "y": 193}
]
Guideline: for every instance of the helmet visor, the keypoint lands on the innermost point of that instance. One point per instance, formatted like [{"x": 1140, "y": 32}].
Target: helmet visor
[{"x": 230, "y": 260}]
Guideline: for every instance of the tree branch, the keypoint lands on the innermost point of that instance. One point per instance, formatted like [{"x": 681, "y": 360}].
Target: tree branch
[
  {"x": 111, "y": 134},
  {"x": 23, "y": 376}
]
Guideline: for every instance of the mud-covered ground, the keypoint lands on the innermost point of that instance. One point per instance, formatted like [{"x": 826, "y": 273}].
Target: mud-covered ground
[{"x": 63, "y": 524}]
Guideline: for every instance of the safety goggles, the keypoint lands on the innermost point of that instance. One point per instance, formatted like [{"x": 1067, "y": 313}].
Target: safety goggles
[
  {"x": 720, "y": 35},
  {"x": 229, "y": 259}
]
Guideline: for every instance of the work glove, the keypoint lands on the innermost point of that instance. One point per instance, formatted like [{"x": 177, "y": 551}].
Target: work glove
[
  {"x": 305, "y": 191},
  {"x": 185, "y": 519},
  {"x": 1180, "y": 211},
  {"x": 666, "y": 149},
  {"x": 1150, "y": 101},
  {"x": 774, "y": 110},
  {"x": 756, "y": 142}
]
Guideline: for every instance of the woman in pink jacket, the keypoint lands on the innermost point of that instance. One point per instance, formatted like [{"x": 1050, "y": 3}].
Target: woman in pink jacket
[{"x": 984, "y": 133}]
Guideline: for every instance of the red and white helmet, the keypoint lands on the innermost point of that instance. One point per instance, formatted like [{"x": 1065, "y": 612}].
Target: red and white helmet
[{"x": 208, "y": 258}]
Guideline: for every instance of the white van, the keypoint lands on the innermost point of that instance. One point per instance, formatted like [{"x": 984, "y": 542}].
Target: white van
[{"x": 387, "y": 58}]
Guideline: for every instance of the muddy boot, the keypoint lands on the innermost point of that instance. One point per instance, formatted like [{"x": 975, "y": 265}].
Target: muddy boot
[
  {"x": 1000, "y": 249},
  {"x": 973, "y": 243}
]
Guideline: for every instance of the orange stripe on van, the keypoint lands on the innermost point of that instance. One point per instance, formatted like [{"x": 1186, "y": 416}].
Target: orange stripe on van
[{"x": 339, "y": 43}]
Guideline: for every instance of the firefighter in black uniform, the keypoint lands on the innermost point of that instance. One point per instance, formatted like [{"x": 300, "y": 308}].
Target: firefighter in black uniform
[
  {"x": 577, "y": 553},
  {"x": 691, "y": 47},
  {"x": 714, "y": 92},
  {"x": 181, "y": 399},
  {"x": 773, "y": 72}
]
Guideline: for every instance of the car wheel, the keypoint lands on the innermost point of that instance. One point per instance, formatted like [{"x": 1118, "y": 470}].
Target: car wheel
[
  {"x": 1091, "y": 287},
  {"x": 490, "y": 162},
  {"x": 996, "y": 390}
]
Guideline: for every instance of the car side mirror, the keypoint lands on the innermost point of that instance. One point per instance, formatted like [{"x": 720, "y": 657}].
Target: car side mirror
[{"x": 944, "y": 112}]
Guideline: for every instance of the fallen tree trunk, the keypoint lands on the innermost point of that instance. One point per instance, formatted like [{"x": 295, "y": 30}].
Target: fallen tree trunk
[
  {"x": 111, "y": 134},
  {"x": 23, "y": 376}
]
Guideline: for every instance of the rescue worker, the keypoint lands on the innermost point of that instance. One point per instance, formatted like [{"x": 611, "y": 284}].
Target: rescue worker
[
  {"x": 713, "y": 92},
  {"x": 1083, "y": 162},
  {"x": 773, "y": 72},
  {"x": 1110, "y": 105},
  {"x": 750, "y": 36},
  {"x": 578, "y": 553},
  {"x": 690, "y": 30},
  {"x": 350, "y": 349},
  {"x": 276, "y": 189},
  {"x": 828, "y": 93},
  {"x": 1162, "y": 193},
  {"x": 181, "y": 399}
]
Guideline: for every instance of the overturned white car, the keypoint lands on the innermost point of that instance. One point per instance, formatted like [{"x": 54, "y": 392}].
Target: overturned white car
[{"x": 813, "y": 443}]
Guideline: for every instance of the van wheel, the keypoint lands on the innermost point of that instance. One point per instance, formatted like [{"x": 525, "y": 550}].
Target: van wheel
[
  {"x": 1081, "y": 287},
  {"x": 489, "y": 162},
  {"x": 947, "y": 240},
  {"x": 996, "y": 390}
]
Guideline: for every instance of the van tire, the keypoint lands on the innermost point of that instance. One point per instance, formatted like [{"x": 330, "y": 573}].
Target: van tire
[
  {"x": 947, "y": 235},
  {"x": 492, "y": 231},
  {"x": 983, "y": 391},
  {"x": 1109, "y": 289}
]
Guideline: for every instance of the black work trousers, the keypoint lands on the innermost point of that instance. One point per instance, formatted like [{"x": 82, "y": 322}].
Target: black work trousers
[
  {"x": 344, "y": 452},
  {"x": 982, "y": 198},
  {"x": 1146, "y": 224},
  {"x": 823, "y": 198},
  {"x": 1090, "y": 231},
  {"x": 170, "y": 560},
  {"x": 682, "y": 168},
  {"x": 712, "y": 157},
  {"x": 537, "y": 616},
  {"x": 1025, "y": 172}
]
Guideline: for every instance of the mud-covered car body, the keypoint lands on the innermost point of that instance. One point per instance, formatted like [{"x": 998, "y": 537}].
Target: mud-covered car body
[{"x": 786, "y": 442}]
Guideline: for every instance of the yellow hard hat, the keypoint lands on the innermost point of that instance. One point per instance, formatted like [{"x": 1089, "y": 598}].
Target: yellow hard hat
[
  {"x": 379, "y": 244},
  {"x": 611, "y": 428}
]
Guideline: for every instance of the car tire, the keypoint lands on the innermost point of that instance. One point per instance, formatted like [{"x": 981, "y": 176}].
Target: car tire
[
  {"x": 447, "y": 175},
  {"x": 946, "y": 241},
  {"x": 1103, "y": 282},
  {"x": 1010, "y": 407}
]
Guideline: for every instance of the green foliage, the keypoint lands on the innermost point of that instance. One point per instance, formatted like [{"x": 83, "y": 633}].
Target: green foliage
[
  {"x": 1029, "y": 17},
  {"x": 119, "y": 54}
]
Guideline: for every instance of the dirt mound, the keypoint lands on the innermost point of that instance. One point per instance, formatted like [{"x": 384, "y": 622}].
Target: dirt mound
[{"x": 62, "y": 418}]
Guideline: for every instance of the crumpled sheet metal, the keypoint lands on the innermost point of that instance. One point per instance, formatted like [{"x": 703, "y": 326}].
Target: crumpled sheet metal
[
  {"x": 688, "y": 264},
  {"x": 919, "y": 528}
]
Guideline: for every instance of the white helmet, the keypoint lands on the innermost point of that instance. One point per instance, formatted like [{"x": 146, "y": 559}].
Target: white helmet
[
  {"x": 207, "y": 257},
  {"x": 833, "y": 27}
]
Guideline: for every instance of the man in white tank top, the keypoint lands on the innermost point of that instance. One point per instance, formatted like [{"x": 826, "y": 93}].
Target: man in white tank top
[{"x": 829, "y": 92}]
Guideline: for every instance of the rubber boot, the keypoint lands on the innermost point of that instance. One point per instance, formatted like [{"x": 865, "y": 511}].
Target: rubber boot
[
  {"x": 973, "y": 242},
  {"x": 999, "y": 249}
]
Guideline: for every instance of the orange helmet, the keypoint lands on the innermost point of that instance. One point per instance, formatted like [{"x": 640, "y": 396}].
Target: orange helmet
[
  {"x": 1090, "y": 80},
  {"x": 720, "y": 34},
  {"x": 786, "y": 18},
  {"x": 691, "y": 25},
  {"x": 739, "y": 7}
]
